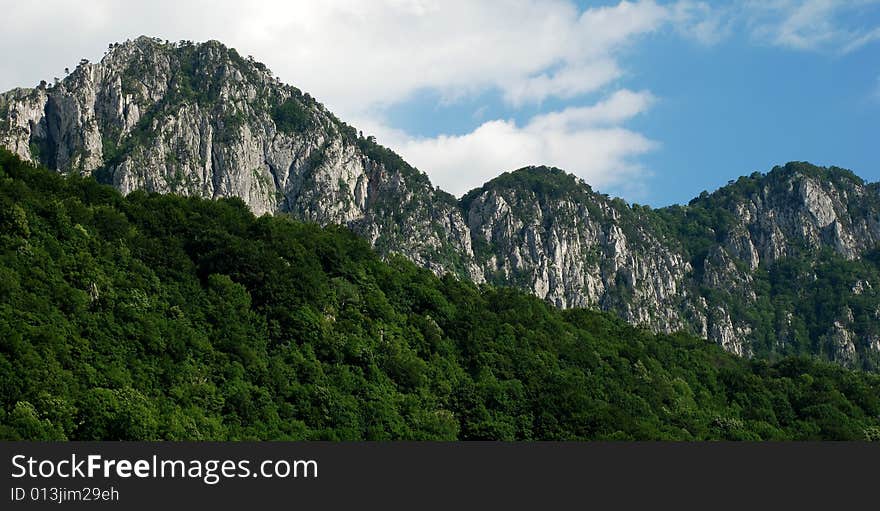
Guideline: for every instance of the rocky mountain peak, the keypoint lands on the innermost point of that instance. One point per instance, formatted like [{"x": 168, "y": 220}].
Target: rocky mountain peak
[
  {"x": 792, "y": 209},
  {"x": 199, "y": 119}
]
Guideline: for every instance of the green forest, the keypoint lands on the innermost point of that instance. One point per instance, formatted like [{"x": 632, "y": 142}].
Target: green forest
[{"x": 153, "y": 317}]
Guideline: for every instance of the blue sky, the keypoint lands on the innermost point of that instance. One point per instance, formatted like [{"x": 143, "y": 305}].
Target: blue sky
[
  {"x": 723, "y": 110},
  {"x": 738, "y": 106},
  {"x": 653, "y": 101}
]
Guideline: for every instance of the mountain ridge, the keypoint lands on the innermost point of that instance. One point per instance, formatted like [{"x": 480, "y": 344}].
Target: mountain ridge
[
  {"x": 159, "y": 317},
  {"x": 199, "y": 119}
]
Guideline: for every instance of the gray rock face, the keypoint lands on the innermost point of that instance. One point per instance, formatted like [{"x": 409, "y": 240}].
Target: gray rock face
[
  {"x": 796, "y": 213},
  {"x": 24, "y": 112},
  {"x": 842, "y": 341},
  {"x": 200, "y": 120},
  {"x": 793, "y": 211},
  {"x": 576, "y": 248}
]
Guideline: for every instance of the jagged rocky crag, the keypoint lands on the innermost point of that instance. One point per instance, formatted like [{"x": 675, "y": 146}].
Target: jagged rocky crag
[
  {"x": 776, "y": 263},
  {"x": 201, "y": 120}
]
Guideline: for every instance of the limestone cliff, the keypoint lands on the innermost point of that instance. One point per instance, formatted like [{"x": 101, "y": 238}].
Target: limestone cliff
[{"x": 198, "y": 119}]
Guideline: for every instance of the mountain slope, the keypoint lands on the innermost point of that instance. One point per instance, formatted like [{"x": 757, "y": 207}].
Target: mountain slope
[
  {"x": 795, "y": 254},
  {"x": 542, "y": 229},
  {"x": 199, "y": 120},
  {"x": 160, "y": 317},
  {"x": 739, "y": 266}
]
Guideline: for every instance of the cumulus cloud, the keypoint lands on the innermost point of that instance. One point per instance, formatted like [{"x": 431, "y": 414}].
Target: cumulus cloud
[
  {"x": 361, "y": 57},
  {"x": 353, "y": 53},
  {"x": 585, "y": 140}
]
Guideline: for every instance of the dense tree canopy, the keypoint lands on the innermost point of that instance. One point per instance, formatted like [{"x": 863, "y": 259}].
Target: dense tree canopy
[{"x": 161, "y": 317}]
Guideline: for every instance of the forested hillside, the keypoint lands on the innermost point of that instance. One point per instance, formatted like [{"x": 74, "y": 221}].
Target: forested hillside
[
  {"x": 785, "y": 263},
  {"x": 161, "y": 317}
]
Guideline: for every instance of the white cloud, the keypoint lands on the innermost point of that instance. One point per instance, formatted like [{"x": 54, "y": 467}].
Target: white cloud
[
  {"x": 361, "y": 57},
  {"x": 564, "y": 83},
  {"x": 813, "y": 25},
  {"x": 798, "y": 25},
  {"x": 701, "y": 22},
  {"x": 621, "y": 106},
  {"x": 587, "y": 141},
  {"x": 354, "y": 54},
  {"x": 861, "y": 40},
  {"x": 809, "y": 24}
]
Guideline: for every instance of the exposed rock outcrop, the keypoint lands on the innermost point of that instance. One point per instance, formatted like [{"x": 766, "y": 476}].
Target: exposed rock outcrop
[{"x": 198, "y": 119}]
